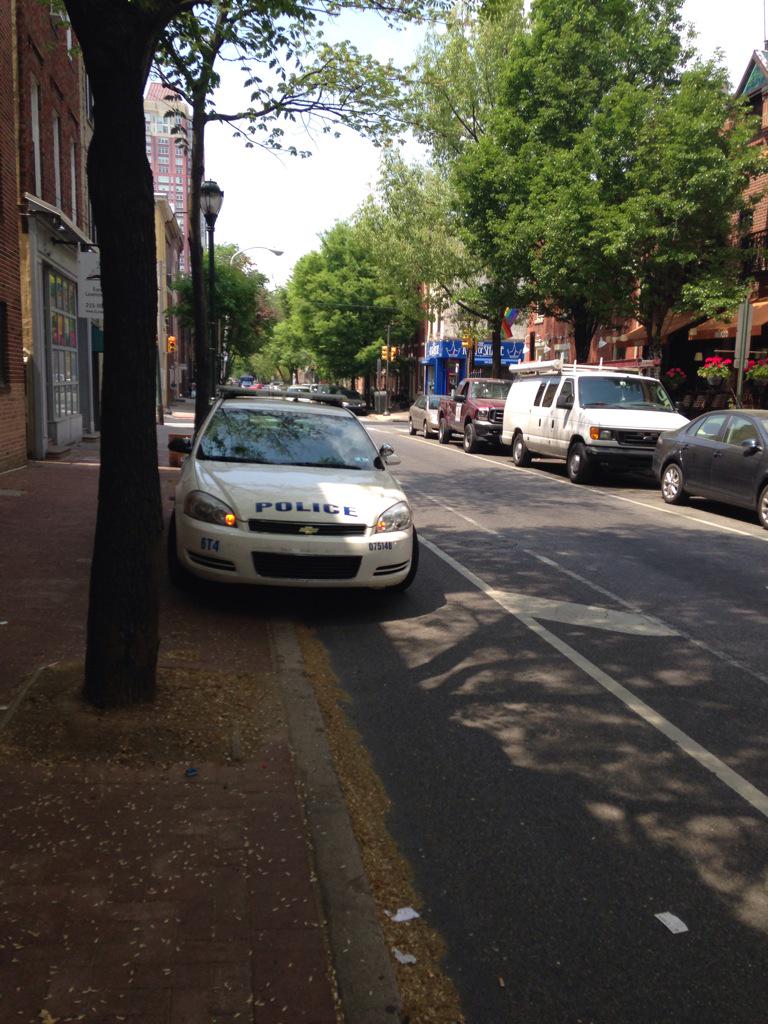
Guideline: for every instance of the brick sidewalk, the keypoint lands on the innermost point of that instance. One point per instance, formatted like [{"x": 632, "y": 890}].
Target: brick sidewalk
[{"x": 138, "y": 894}]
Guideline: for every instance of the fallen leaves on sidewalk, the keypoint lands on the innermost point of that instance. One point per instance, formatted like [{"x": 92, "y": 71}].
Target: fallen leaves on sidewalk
[{"x": 199, "y": 714}]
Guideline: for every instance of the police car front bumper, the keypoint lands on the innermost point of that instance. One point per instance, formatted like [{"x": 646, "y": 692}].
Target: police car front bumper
[{"x": 237, "y": 555}]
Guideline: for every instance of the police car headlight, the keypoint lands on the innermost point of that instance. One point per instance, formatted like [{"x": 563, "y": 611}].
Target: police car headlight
[
  {"x": 398, "y": 517},
  {"x": 207, "y": 509},
  {"x": 482, "y": 414}
]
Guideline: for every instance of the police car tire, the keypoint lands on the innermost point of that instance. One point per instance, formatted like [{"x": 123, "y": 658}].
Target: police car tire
[
  {"x": 443, "y": 433},
  {"x": 178, "y": 575},
  {"x": 411, "y": 428},
  {"x": 425, "y": 428},
  {"x": 404, "y": 584}
]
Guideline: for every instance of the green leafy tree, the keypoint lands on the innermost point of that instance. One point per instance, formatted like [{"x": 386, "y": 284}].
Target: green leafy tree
[
  {"x": 243, "y": 306},
  {"x": 290, "y": 75},
  {"x": 339, "y": 305},
  {"x": 118, "y": 40}
]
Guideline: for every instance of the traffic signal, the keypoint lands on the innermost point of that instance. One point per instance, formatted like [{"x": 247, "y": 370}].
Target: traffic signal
[
  {"x": 392, "y": 352},
  {"x": 384, "y": 353},
  {"x": 171, "y": 343}
]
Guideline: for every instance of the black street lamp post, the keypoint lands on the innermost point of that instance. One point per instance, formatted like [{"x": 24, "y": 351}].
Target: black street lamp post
[{"x": 211, "y": 198}]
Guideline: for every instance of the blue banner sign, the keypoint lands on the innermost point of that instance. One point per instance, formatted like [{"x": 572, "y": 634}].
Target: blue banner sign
[{"x": 511, "y": 352}]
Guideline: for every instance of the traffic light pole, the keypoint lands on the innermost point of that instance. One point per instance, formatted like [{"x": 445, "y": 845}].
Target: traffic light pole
[{"x": 386, "y": 377}]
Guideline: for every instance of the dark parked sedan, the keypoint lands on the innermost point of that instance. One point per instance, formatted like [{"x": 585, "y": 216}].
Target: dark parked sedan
[{"x": 722, "y": 456}]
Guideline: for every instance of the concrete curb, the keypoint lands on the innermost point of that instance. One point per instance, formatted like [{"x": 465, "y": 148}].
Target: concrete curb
[{"x": 364, "y": 971}]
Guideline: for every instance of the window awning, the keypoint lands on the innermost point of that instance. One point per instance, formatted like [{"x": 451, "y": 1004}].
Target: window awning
[
  {"x": 712, "y": 329},
  {"x": 673, "y": 322}
]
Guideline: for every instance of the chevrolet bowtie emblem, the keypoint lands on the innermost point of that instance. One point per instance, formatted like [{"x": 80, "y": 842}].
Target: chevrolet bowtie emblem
[{"x": 309, "y": 529}]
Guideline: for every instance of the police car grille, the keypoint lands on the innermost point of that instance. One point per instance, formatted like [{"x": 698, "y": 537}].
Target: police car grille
[
  {"x": 638, "y": 438},
  {"x": 302, "y": 528},
  {"x": 306, "y": 567}
]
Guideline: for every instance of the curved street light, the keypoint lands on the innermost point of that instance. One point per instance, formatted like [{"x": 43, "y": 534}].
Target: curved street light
[{"x": 275, "y": 252}]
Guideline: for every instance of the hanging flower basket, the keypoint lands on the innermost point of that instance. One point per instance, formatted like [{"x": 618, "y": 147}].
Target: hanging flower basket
[
  {"x": 674, "y": 379},
  {"x": 715, "y": 371},
  {"x": 757, "y": 373}
]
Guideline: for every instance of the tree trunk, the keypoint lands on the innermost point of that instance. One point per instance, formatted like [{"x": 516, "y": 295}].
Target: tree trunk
[
  {"x": 203, "y": 361},
  {"x": 123, "y": 633}
]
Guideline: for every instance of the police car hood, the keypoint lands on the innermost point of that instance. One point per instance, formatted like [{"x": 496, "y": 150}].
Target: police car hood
[
  {"x": 635, "y": 419},
  {"x": 296, "y": 492}
]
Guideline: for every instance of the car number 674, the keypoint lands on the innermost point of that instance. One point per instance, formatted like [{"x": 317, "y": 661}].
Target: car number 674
[{"x": 380, "y": 545}]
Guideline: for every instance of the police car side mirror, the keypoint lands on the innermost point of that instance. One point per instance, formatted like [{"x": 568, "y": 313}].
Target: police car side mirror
[
  {"x": 182, "y": 445},
  {"x": 387, "y": 455}
]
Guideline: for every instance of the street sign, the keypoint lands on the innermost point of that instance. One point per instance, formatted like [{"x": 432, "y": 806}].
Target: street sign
[{"x": 89, "y": 300}]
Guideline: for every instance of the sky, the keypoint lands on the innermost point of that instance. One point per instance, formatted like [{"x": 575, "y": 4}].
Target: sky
[{"x": 284, "y": 202}]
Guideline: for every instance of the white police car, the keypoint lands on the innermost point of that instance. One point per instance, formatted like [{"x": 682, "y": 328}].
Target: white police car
[{"x": 284, "y": 492}]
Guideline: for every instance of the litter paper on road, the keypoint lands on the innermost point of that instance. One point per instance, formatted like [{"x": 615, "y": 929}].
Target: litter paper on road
[
  {"x": 675, "y": 925},
  {"x": 403, "y": 914},
  {"x": 403, "y": 958}
]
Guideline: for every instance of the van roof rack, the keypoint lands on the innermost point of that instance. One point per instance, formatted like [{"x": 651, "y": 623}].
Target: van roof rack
[{"x": 555, "y": 366}]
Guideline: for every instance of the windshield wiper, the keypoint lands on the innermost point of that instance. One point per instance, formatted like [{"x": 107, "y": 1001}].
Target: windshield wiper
[
  {"x": 322, "y": 465},
  {"x": 227, "y": 458}
]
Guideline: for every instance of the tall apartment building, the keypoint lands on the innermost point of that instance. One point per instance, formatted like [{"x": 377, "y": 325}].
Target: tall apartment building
[{"x": 168, "y": 137}]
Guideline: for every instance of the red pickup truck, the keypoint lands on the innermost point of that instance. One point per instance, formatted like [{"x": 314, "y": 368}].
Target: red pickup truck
[{"x": 475, "y": 410}]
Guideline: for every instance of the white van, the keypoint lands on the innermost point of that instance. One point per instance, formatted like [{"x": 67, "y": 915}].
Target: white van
[{"x": 589, "y": 416}]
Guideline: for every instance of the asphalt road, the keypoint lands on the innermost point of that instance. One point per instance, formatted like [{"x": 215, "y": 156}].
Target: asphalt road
[{"x": 569, "y": 711}]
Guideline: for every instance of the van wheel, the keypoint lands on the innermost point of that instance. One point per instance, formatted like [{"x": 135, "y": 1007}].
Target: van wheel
[
  {"x": 443, "y": 433},
  {"x": 520, "y": 454},
  {"x": 578, "y": 465},
  {"x": 470, "y": 437}
]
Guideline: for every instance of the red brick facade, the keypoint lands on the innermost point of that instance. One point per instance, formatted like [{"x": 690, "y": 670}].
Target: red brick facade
[{"x": 13, "y": 438}]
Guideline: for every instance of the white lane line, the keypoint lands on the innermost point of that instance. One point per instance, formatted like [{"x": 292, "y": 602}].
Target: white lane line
[
  {"x": 713, "y": 652},
  {"x": 675, "y": 513},
  {"x": 559, "y": 611},
  {"x": 735, "y": 782}
]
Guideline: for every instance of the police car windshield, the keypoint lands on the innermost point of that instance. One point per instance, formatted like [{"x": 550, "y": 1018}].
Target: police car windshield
[
  {"x": 622, "y": 393},
  {"x": 286, "y": 438}
]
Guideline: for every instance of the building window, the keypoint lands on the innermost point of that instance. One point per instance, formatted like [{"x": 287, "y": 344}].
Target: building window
[
  {"x": 38, "y": 167},
  {"x": 61, "y": 321},
  {"x": 73, "y": 180},
  {"x": 57, "y": 159}
]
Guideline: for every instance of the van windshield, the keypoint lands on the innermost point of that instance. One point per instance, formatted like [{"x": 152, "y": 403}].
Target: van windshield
[{"x": 623, "y": 393}]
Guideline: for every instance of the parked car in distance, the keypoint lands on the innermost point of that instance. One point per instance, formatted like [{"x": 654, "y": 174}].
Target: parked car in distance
[
  {"x": 349, "y": 398},
  {"x": 474, "y": 411},
  {"x": 423, "y": 415},
  {"x": 277, "y": 491},
  {"x": 720, "y": 455},
  {"x": 589, "y": 416}
]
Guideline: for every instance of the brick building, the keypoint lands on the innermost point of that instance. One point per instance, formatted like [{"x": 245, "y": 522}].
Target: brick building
[
  {"x": 50, "y": 88},
  {"x": 13, "y": 430}
]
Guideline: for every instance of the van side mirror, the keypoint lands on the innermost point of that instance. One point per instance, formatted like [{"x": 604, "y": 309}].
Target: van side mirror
[{"x": 566, "y": 402}]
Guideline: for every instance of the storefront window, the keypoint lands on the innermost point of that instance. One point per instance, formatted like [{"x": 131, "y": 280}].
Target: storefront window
[{"x": 61, "y": 314}]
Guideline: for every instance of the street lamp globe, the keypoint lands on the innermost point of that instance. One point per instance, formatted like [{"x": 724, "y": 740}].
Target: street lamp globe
[{"x": 211, "y": 198}]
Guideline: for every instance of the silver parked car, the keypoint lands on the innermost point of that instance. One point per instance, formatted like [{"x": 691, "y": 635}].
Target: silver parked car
[{"x": 422, "y": 416}]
